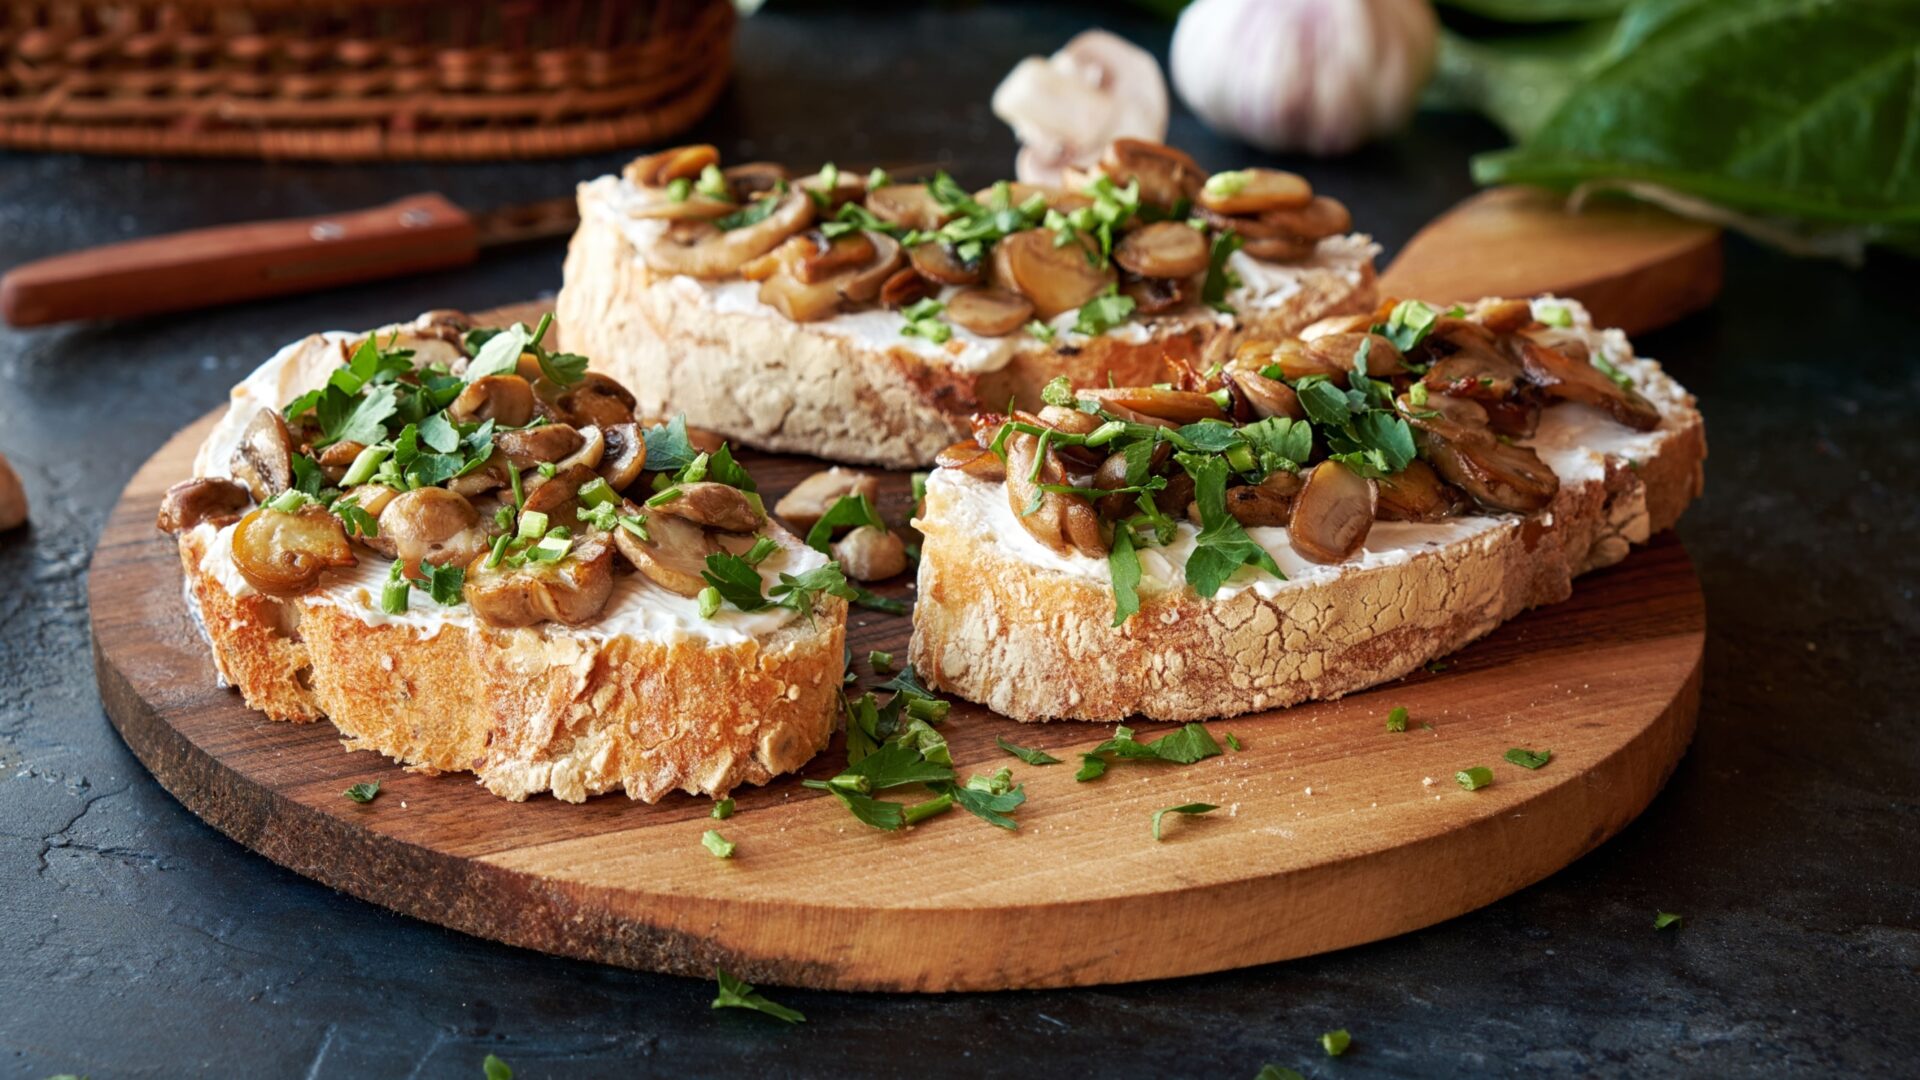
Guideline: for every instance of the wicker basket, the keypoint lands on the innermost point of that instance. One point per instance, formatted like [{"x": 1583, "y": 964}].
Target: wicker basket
[{"x": 358, "y": 79}]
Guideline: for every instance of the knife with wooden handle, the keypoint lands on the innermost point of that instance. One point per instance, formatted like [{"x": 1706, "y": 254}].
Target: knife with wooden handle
[{"x": 207, "y": 267}]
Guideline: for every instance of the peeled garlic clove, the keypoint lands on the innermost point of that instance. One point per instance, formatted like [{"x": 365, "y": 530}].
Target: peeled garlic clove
[
  {"x": 1066, "y": 108},
  {"x": 1303, "y": 74}
]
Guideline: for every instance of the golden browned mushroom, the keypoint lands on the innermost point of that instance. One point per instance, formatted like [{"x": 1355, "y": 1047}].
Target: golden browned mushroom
[
  {"x": 989, "y": 312},
  {"x": 910, "y": 206},
  {"x": 573, "y": 590},
  {"x": 1503, "y": 316},
  {"x": 430, "y": 525},
  {"x": 1112, "y": 474},
  {"x": 1415, "y": 494},
  {"x": 868, "y": 554},
  {"x": 488, "y": 477},
  {"x": 973, "y": 459},
  {"x": 713, "y": 505},
  {"x": 599, "y": 400},
  {"x": 905, "y": 287},
  {"x": 624, "y": 457},
  {"x": 1164, "y": 249},
  {"x": 190, "y": 502},
  {"x": 1063, "y": 522},
  {"x": 1321, "y": 218},
  {"x": 507, "y": 400},
  {"x": 1266, "y": 397},
  {"x": 674, "y": 553},
  {"x": 702, "y": 249},
  {"x": 863, "y": 284},
  {"x": 1177, "y": 406},
  {"x": 556, "y": 496},
  {"x": 755, "y": 178},
  {"x": 678, "y": 163},
  {"x": 1497, "y": 475},
  {"x": 1254, "y": 191},
  {"x": 263, "y": 460},
  {"x": 593, "y": 448},
  {"x": 781, "y": 287},
  {"x": 811, "y": 498},
  {"x": 821, "y": 258},
  {"x": 1563, "y": 377},
  {"x": 1153, "y": 295},
  {"x": 1269, "y": 502},
  {"x": 285, "y": 554},
  {"x": 847, "y": 187},
  {"x": 1166, "y": 175},
  {"x": 335, "y": 459},
  {"x": 1332, "y": 514},
  {"x": 526, "y": 447},
  {"x": 373, "y": 498},
  {"x": 1056, "y": 279},
  {"x": 936, "y": 261},
  {"x": 1071, "y": 421}
]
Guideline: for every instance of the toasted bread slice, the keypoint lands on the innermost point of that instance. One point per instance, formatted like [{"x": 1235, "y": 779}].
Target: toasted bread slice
[
  {"x": 648, "y": 699},
  {"x": 1010, "y": 623},
  {"x": 853, "y": 388}
]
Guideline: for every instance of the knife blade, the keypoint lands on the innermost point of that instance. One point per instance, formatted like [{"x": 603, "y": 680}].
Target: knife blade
[{"x": 202, "y": 268}]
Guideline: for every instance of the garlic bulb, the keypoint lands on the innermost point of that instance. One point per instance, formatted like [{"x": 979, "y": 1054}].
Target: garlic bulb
[
  {"x": 1321, "y": 76},
  {"x": 1066, "y": 108}
]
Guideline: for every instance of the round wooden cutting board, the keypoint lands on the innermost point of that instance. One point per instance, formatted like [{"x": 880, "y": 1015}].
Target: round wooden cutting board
[{"x": 1331, "y": 830}]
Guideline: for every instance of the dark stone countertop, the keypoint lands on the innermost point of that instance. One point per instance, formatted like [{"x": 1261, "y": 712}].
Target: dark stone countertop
[{"x": 136, "y": 941}]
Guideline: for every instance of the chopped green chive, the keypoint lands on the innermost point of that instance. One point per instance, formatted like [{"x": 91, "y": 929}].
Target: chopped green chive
[
  {"x": 495, "y": 1069},
  {"x": 1664, "y": 919},
  {"x": 393, "y": 595},
  {"x": 1437, "y": 666},
  {"x": 363, "y": 793},
  {"x": 719, "y": 845},
  {"x": 709, "y": 602},
  {"x": 1529, "y": 759},
  {"x": 1189, "y": 809},
  {"x": 1278, "y": 1072},
  {"x": 723, "y": 809},
  {"x": 1335, "y": 1043},
  {"x": 1234, "y": 741},
  {"x": 880, "y": 662},
  {"x": 1475, "y": 778},
  {"x": 1397, "y": 719}
]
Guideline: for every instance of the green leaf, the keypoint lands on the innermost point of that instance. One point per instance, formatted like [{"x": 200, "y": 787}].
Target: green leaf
[
  {"x": 444, "y": 583},
  {"x": 438, "y": 433},
  {"x": 721, "y": 847},
  {"x": 496, "y": 1069},
  {"x": 1535, "y": 11},
  {"x": 361, "y": 420},
  {"x": 1222, "y": 546},
  {"x": 1092, "y": 767},
  {"x": 1123, "y": 566},
  {"x": 1103, "y": 313},
  {"x": 1189, "y": 809},
  {"x": 722, "y": 468},
  {"x": 735, "y": 994},
  {"x": 1336, "y": 1042},
  {"x": 1030, "y": 756},
  {"x": 1529, "y": 759},
  {"x": 1213, "y": 291},
  {"x": 847, "y": 512},
  {"x": 668, "y": 449},
  {"x": 1186, "y": 746},
  {"x": 873, "y": 601},
  {"x": 754, "y": 213},
  {"x": 363, "y": 793},
  {"x": 1397, "y": 718},
  {"x": 500, "y": 354},
  {"x": 1769, "y": 107},
  {"x": 1664, "y": 919},
  {"x": 735, "y": 579},
  {"x": 895, "y": 765},
  {"x": 879, "y": 813},
  {"x": 986, "y": 802},
  {"x": 798, "y": 591},
  {"x": 1277, "y": 1072}
]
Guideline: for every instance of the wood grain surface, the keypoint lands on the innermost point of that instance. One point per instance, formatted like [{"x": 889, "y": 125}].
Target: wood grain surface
[
  {"x": 1332, "y": 831},
  {"x": 1634, "y": 266}
]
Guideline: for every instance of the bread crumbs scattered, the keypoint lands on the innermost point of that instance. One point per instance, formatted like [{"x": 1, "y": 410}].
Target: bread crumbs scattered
[
  {"x": 1309, "y": 789},
  {"x": 1426, "y": 781}
]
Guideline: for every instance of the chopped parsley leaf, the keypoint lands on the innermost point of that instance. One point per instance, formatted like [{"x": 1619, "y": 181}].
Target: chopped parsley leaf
[
  {"x": 1529, "y": 759},
  {"x": 363, "y": 793},
  {"x": 1336, "y": 1042},
  {"x": 1026, "y": 754},
  {"x": 1188, "y": 809},
  {"x": 735, "y": 994},
  {"x": 495, "y": 1069},
  {"x": 847, "y": 512},
  {"x": 1397, "y": 718},
  {"x": 1665, "y": 919},
  {"x": 1103, "y": 313}
]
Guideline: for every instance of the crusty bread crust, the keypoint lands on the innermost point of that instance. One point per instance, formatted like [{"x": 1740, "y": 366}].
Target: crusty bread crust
[
  {"x": 1036, "y": 644},
  {"x": 780, "y": 385},
  {"x": 538, "y": 708}
]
